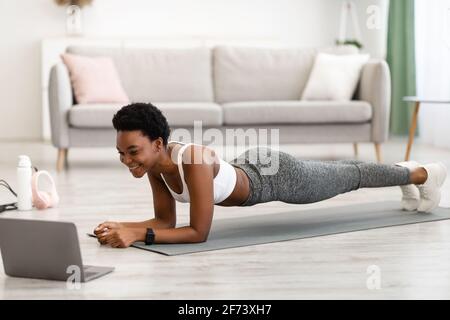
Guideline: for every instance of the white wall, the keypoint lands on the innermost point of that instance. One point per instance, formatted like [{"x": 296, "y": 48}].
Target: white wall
[
  {"x": 433, "y": 69},
  {"x": 23, "y": 24}
]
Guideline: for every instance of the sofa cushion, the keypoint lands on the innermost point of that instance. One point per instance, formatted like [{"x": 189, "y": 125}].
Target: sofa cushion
[
  {"x": 177, "y": 114},
  {"x": 292, "y": 112},
  {"x": 151, "y": 74},
  {"x": 263, "y": 74},
  {"x": 181, "y": 114},
  {"x": 334, "y": 77},
  {"x": 94, "y": 80}
]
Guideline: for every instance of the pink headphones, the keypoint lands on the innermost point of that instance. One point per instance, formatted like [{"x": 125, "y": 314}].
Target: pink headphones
[{"x": 43, "y": 199}]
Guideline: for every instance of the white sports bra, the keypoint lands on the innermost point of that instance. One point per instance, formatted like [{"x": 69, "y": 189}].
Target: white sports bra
[{"x": 224, "y": 181}]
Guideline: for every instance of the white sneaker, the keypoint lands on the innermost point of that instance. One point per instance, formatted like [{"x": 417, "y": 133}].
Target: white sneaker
[
  {"x": 411, "y": 194},
  {"x": 430, "y": 191}
]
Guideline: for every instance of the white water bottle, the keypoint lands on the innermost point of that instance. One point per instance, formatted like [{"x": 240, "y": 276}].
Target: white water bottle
[{"x": 24, "y": 172}]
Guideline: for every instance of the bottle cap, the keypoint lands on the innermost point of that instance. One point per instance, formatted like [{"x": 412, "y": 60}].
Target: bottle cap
[{"x": 24, "y": 161}]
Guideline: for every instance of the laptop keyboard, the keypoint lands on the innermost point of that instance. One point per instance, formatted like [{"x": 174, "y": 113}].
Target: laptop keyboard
[{"x": 88, "y": 274}]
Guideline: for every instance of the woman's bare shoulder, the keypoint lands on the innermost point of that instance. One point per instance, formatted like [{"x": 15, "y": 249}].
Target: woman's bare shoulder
[{"x": 199, "y": 154}]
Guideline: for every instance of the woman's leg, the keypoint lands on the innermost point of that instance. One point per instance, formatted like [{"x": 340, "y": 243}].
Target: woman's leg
[{"x": 307, "y": 181}]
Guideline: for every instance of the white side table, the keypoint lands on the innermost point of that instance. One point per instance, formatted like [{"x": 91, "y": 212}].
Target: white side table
[{"x": 412, "y": 129}]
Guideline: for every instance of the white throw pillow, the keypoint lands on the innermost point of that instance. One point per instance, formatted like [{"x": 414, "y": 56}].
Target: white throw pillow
[{"x": 334, "y": 77}]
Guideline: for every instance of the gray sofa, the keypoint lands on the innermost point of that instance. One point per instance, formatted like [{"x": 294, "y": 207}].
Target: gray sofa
[{"x": 226, "y": 88}]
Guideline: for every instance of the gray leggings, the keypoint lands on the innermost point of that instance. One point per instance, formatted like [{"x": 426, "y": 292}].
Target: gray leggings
[{"x": 306, "y": 181}]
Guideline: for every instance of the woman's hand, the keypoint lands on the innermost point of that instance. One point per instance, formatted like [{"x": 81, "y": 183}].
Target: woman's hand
[
  {"x": 122, "y": 237},
  {"x": 102, "y": 230}
]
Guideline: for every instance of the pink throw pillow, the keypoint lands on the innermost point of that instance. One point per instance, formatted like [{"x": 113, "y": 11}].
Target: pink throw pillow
[{"x": 94, "y": 79}]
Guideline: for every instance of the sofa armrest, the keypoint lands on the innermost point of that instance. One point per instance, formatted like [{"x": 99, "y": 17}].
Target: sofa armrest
[
  {"x": 60, "y": 101},
  {"x": 375, "y": 88}
]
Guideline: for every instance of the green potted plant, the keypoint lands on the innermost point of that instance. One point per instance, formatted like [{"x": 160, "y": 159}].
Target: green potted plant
[
  {"x": 79, "y": 3},
  {"x": 348, "y": 10},
  {"x": 353, "y": 42}
]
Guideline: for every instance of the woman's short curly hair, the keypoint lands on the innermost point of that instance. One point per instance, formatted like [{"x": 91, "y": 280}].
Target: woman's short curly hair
[{"x": 144, "y": 117}]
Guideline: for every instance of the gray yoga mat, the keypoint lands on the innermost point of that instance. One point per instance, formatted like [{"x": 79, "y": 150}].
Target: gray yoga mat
[{"x": 299, "y": 224}]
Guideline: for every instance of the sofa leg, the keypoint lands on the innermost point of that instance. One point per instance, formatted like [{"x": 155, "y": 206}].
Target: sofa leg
[
  {"x": 378, "y": 151},
  {"x": 62, "y": 160},
  {"x": 66, "y": 159},
  {"x": 355, "y": 149}
]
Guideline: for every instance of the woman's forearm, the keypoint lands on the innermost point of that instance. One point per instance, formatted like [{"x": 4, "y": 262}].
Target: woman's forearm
[
  {"x": 173, "y": 235},
  {"x": 179, "y": 235},
  {"x": 154, "y": 223}
]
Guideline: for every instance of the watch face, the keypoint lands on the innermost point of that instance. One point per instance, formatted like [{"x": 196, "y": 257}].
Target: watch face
[{"x": 150, "y": 236}]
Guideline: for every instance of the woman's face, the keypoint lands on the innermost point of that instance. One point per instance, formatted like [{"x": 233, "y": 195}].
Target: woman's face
[{"x": 137, "y": 152}]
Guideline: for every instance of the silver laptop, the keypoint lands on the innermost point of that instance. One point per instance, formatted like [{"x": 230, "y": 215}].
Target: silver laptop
[{"x": 44, "y": 250}]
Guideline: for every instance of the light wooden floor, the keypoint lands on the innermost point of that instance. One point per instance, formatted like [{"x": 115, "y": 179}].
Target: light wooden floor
[{"x": 414, "y": 260}]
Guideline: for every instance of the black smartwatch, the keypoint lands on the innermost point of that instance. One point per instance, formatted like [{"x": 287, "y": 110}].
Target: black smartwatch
[{"x": 149, "y": 236}]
